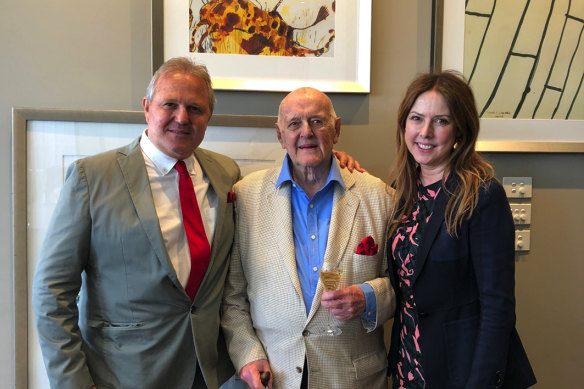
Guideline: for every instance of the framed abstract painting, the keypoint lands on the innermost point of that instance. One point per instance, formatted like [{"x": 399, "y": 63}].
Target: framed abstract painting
[
  {"x": 269, "y": 45},
  {"x": 525, "y": 63}
]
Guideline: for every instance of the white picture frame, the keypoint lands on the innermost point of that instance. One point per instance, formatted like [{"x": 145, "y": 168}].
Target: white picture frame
[
  {"x": 503, "y": 134},
  {"x": 44, "y": 143},
  {"x": 346, "y": 71}
]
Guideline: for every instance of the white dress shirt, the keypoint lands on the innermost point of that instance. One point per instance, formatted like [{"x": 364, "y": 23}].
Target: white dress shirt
[{"x": 164, "y": 186}]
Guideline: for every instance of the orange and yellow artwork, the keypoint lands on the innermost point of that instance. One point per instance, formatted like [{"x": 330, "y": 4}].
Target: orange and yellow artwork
[{"x": 301, "y": 28}]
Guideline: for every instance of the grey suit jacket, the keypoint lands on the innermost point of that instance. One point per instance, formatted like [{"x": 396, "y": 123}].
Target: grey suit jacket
[
  {"x": 264, "y": 315},
  {"x": 134, "y": 326}
]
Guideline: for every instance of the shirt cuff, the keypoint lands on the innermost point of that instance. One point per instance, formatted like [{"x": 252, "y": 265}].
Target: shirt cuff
[{"x": 370, "y": 313}]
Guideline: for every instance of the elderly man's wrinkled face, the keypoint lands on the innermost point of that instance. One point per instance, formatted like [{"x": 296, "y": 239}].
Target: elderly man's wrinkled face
[
  {"x": 308, "y": 129},
  {"x": 178, "y": 114}
]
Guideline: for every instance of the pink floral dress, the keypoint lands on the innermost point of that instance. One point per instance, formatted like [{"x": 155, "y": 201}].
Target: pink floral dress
[{"x": 404, "y": 244}]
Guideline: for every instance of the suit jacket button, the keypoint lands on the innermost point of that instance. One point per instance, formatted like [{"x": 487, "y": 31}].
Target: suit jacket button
[
  {"x": 193, "y": 309},
  {"x": 298, "y": 369},
  {"x": 305, "y": 333}
]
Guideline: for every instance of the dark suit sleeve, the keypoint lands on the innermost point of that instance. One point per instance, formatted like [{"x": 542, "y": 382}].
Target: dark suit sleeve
[
  {"x": 56, "y": 284},
  {"x": 492, "y": 239}
]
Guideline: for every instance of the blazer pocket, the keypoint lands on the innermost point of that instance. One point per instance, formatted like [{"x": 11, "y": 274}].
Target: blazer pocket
[
  {"x": 365, "y": 267},
  {"x": 370, "y": 364},
  {"x": 116, "y": 334},
  {"x": 119, "y": 353},
  {"x": 460, "y": 344}
]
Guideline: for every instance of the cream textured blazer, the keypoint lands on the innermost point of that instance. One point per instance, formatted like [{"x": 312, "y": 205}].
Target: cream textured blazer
[{"x": 264, "y": 315}]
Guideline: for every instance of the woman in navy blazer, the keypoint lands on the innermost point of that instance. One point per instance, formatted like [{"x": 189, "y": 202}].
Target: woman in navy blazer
[{"x": 452, "y": 250}]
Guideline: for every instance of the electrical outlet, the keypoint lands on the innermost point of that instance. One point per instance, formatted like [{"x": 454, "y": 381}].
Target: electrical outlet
[
  {"x": 522, "y": 240},
  {"x": 521, "y": 213},
  {"x": 517, "y": 187}
]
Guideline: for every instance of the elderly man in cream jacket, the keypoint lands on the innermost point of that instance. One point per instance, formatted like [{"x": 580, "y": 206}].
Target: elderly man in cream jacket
[{"x": 290, "y": 222}]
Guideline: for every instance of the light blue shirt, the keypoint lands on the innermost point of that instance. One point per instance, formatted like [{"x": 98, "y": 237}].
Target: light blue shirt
[{"x": 310, "y": 224}]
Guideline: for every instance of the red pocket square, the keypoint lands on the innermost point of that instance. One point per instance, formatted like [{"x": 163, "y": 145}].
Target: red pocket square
[
  {"x": 367, "y": 247},
  {"x": 231, "y": 196}
]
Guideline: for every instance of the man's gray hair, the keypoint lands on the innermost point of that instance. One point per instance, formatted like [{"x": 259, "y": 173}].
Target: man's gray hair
[{"x": 182, "y": 65}]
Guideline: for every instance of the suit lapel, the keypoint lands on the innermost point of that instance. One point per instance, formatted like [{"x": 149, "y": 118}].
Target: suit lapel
[
  {"x": 131, "y": 163},
  {"x": 431, "y": 229},
  {"x": 345, "y": 205},
  {"x": 221, "y": 184},
  {"x": 280, "y": 204}
]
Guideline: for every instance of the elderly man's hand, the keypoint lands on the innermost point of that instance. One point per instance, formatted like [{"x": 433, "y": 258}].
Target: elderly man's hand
[
  {"x": 345, "y": 304},
  {"x": 251, "y": 373},
  {"x": 346, "y": 161}
]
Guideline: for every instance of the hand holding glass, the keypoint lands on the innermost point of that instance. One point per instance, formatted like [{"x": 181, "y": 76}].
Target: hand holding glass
[{"x": 331, "y": 278}]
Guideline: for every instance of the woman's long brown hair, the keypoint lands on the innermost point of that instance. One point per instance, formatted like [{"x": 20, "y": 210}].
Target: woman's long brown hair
[{"x": 464, "y": 162}]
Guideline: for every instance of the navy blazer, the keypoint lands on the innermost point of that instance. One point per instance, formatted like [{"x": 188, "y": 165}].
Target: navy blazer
[{"x": 464, "y": 292}]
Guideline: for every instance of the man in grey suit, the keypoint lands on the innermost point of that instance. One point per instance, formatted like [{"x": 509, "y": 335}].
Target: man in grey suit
[
  {"x": 290, "y": 221},
  {"x": 118, "y": 241}
]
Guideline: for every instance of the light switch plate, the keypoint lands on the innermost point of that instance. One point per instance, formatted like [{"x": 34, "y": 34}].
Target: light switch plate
[
  {"x": 518, "y": 187},
  {"x": 522, "y": 242},
  {"x": 521, "y": 213}
]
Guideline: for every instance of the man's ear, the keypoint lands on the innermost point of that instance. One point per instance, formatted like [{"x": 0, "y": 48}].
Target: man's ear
[
  {"x": 146, "y": 106},
  {"x": 280, "y": 139},
  {"x": 337, "y": 130}
]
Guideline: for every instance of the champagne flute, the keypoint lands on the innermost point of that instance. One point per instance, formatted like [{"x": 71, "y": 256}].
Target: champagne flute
[{"x": 331, "y": 278}]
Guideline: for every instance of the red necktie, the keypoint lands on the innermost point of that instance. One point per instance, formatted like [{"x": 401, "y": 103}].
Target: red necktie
[{"x": 198, "y": 243}]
